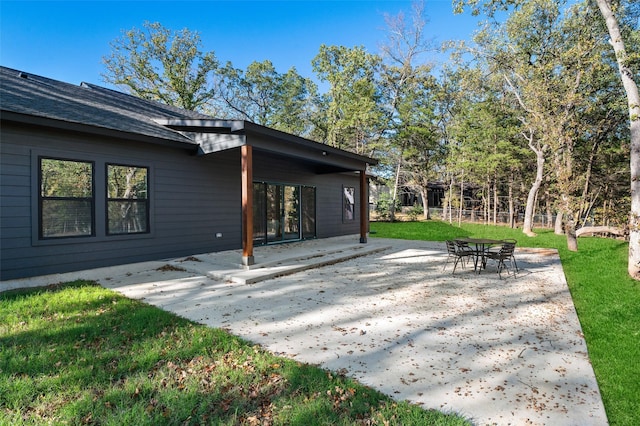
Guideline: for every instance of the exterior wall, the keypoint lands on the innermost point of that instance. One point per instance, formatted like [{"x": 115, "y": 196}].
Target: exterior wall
[
  {"x": 329, "y": 221},
  {"x": 191, "y": 199}
]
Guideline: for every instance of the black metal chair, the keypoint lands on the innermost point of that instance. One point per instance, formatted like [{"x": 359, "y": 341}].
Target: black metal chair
[
  {"x": 459, "y": 252},
  {"x": 504, "y": 257},
  {"x": 465, "y": 249},
  {"x": 513, "y": 258}
]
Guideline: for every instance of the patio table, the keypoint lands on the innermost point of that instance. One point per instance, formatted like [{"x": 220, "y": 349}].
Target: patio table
[{"x": 482, "y": 245}]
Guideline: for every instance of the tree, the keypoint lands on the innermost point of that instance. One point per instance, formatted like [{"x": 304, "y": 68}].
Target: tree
[
  {"x": 547, "y": 58},
  {"x": 515, "y": 52},
  {"x": 633, "y": 99},
  {"x": 406, "y": 85},
  {"x": 447, "y": 101},
  {"x": 158, "y": 64},
  {"x": 613, "y": 12},
  {"x": 266, "y": 97},
  {"x": 351, "y": 108},
  {"x": 487, "y": 140}
]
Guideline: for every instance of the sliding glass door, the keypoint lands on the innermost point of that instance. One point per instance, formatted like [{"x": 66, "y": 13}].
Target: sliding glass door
[
  {"x": 280, "y": 210},
  {"x": 308, "y": 212},
  {"x": 283, "y": 213}
]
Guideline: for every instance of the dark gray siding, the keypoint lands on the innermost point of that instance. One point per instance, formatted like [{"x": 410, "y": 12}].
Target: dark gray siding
[
  {"x": 277, "y": 169},
  {"x": 192, "y": 198}
]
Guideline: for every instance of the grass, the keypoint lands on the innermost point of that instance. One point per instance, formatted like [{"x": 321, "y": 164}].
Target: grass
[
  {"x": 80, "y": 354},
  {"x": 607, "y": 301}
]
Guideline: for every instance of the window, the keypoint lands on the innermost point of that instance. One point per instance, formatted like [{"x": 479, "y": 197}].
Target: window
[
  {"x": 127, "y": 199},
  {"x": 348, "y": 203},
  {"x": 66, "y": 198}
]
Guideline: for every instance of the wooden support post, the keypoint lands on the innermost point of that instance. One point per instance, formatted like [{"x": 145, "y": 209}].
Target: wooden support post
[
  {"x": 247, "y": 205},
  {"x": 364, "y": 206}
]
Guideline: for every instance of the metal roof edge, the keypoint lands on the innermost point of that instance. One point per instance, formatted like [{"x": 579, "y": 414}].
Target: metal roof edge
[{"x": 202, "y": 125}]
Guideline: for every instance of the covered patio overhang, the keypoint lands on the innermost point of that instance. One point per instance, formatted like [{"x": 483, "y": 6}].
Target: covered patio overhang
[{"x": 220, "y": 135}]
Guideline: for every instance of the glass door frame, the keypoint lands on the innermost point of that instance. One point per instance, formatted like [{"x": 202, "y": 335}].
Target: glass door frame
[
  {"x": 283, "y": 213},
  {"x": 262, "y": 215}
]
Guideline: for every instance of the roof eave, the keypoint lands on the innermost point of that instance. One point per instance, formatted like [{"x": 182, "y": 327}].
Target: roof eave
[
  {"x": 33, "y": 120},
  {"x": 202, "y": 125},
  {"x": 325, "y": 150}
]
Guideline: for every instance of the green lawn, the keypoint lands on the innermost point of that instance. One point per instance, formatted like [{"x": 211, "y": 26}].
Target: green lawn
[
  {"x": 606, "y": 299},
  {"x": 80, "y": 354}
]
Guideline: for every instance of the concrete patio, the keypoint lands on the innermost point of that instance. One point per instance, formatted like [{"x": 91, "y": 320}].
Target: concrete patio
[{"x": 503, "y": 352}]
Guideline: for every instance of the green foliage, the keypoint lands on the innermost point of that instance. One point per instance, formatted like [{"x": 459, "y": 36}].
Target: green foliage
[
  {"x": 541, "y": 69},
  {"x": 383, "y": 207},
  {"x": 66, "y": 191},
  {"x": 158, "y": 64},
  {"x": 264, "y": 96},
  {"x": 127, "y": 182},
  {"x": 127, "y": 192},
  {"x": 64, "y": 178},
  {"x": 413, "y": 145},
  {"x": 351, "y": 109},
  {"x": 605, "y": 297},
  {"x": 415, "y": 211},
  {"x": 81, "y": 354},
  {"x": 547, "y": 65},
  {"x": 488, "y": 144}
]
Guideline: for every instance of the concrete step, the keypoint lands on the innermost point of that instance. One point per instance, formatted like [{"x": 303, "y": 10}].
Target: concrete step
[{"x": 225, "y": 266}]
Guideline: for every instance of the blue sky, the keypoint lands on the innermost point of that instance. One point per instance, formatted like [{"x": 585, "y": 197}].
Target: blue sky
[{"x": 66, "y": 40}]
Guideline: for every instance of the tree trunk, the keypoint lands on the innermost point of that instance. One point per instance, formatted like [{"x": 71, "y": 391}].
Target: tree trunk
[
  {"x": 450, "y": 200},
  {"x": 587, "y": 182},
  {"x": 486, "y": 204},
  {"x": 558, "y": 229},
  {"x": 533, "y": 191},
  {"x": 633, "y": 100},
  {"x": 461, "y": 202},
  {"x": 424, "y": 193},
  {"x": 592, "y": 230},
  {"x": 495, "y": 201},
  {"x": 512, "y": 219},
  {"x": 587, "y": 212},
  {"x": 549, "y": 219},
  {"x": 570, "y": 230},
  {"x": 392, "y": 207}
]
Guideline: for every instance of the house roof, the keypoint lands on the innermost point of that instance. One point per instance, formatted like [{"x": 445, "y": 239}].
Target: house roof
[
  {"x": 219, "y": 135},
  {"x": 32, "y": 99}
]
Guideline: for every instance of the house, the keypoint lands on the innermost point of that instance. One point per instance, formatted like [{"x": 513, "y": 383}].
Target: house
[
  {"x": 91, "y": 177},
  {"x": 407, "y": 196}
]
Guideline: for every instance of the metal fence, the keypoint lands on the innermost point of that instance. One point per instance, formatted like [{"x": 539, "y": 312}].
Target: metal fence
[{"x": 539, "y": 220}]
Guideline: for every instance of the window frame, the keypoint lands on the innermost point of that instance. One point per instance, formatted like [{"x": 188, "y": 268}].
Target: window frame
[
  {"x": 146, "y": 201},
  {"x": 99, "y": 160},
  {"x": 42, "y": 199},
  {"x": 348, "y": 207}
]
